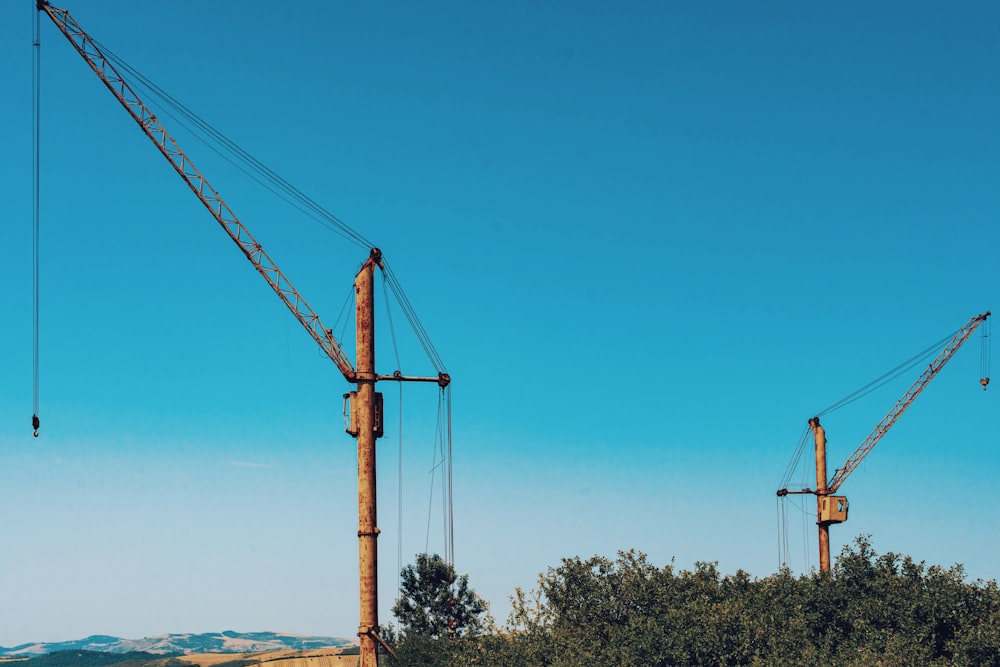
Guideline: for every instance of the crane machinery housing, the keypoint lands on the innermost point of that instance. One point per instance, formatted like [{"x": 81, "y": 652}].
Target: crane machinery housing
[
  {"x": 365, "y": 422},
  {"x": 831, "y": 508}
]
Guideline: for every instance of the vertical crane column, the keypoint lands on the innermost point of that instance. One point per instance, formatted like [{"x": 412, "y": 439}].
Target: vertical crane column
[
  {"x": 367, "y": 526},
  {"x": 819, "y": 437}
]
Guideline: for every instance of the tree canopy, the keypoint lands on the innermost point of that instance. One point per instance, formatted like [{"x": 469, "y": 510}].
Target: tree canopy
[
  {"x": 870, "y": 609},
  {"x": 435, "y": 602}
]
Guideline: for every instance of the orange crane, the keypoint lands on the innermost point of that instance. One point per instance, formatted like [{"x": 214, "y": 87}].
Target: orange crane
[
  {"x": 365, "y": 404},
  {"x": 830, "y": 508}
]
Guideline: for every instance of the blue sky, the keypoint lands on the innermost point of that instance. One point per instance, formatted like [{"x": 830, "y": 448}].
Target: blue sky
[{"x": 649, "y": 241}]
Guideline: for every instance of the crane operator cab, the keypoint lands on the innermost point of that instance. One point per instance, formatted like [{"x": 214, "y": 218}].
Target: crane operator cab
[{"x": 832, "y": 509}]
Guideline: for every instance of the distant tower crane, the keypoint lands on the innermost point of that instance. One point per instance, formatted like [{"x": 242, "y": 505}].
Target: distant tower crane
[
  {"x": 365, "y": 404},
  {"x": 830, "y": 508}
]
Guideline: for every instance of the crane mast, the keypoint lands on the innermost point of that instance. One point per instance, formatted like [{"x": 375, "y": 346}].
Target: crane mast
[
  {"x": 830, "y": 508},
  {"x": 365, "y": 404}
]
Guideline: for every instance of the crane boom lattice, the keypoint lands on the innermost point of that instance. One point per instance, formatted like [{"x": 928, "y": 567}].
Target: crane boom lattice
[
  {"x": 208, "y": 196},
  {"x": 904, "y": 402}
]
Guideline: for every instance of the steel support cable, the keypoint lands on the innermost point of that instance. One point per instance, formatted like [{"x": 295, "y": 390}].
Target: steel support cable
[
  {"x": 784, "y": 528},
  {"x": 439, "y": 462},
  {"x": 442, "y": 450},
  {"x": 779, "y": 507},
  {"x": 984, "y": 353},
  {"x": 399, "y": 477},
  {"x": 392, "y": 327},
  {"x": 430, "y": 500},
  {"x": 446, "y": 392},
  {"x": 36, "y": 97},
  {"x": 793, "y": 464},
  {"x": 444, "y": 465},
  {"x": 412, "y": 318},
  {"x": 348, "y": 300},
  {"x": 806, "y": 555},
  {"x": 410, "y": 313},
  {"x": 444, "y": 483},
  {"x": 236, "y": 150},
  {"x": 889, "y": 376},
  {"x": 399, "y": 496},
  {"x": 319, "y": 213}
]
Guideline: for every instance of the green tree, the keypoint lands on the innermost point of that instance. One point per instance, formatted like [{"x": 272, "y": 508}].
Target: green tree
[
  {"x": 871, "y": 610},
  {"x": 435, "y": 602}
]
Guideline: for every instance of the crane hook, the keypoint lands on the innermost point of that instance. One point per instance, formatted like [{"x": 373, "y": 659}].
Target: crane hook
[
  {"x": 35, "y": 423},
  {"x": 984, "y": 382}
]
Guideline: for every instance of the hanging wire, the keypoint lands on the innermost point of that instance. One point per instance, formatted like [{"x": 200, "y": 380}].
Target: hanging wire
[
  {"x": 439, "y": 444},
  {"x": 806, "y": 551},
  {"x": 793, "y": 464},
  {"x": 392, "y": 326},
  {"x": 442, "y": 456},
  {"x": 450, "y": 546},
  {"x": 411, "y": 316},
  {"x": 399, "y": 497},
  {"x": 984, "y": 353},
  {"x": 399, "y": 477},
  {"x": 779, "y": 507},
  {"x": 435, "y": 464},
  {"x": 36, "y": 99},
  {"x": 441, "y": 462},
  {"x": 447, "y": 509}
]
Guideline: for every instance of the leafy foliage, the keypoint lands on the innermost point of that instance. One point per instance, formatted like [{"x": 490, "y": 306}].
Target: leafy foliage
[
  {"x": 870, "y": 610},
  {"x": 435, "y": 602}
]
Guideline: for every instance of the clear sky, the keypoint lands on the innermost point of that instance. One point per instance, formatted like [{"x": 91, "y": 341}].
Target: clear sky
[{"x": 648, "y": 239}]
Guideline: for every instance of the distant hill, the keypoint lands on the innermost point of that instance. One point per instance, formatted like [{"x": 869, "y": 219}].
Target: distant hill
[
  {"x": 92, "y": 659},
  {"x": 183, "y": 644}
]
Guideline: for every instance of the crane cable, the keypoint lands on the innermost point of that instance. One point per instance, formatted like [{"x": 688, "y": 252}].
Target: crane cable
[
  {"x": 399, "y": 471},
  {"x": 442, "y": 460},
  {"x": 890, "y": 375},
  {"x": 411, "y": 316},
  {"x": 443, "y": 434},
  {"x": 293, "y": 196},
  {"x": 984, "y": 354},
  {"x": 36, "y": 81}
]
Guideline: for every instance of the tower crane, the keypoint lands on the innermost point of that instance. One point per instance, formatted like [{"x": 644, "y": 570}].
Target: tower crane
[
  {"x": 831, "y": 508},
  {"x": 365, "y": 422}
]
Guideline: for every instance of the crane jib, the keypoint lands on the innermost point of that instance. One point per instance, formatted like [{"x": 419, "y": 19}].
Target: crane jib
[
  {"x": 208, "y": 196},
  {"x": 906, "y": 400}
]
